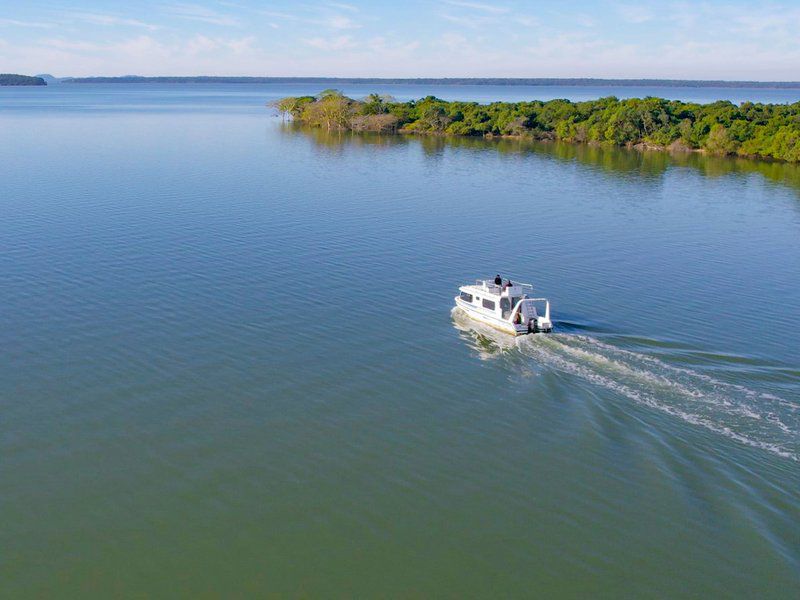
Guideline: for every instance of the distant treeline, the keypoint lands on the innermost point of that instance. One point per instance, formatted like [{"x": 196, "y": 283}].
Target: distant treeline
[
  {"x": 13, "y": 79},
  {"x": 448, "y": 81},
  {"x": 722, "y": 128}
]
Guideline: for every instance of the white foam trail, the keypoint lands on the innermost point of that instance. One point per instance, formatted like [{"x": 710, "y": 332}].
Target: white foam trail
[{"x": 731, "y": 410}]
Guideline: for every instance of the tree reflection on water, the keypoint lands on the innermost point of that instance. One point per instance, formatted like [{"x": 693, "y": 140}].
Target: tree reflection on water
[{"x": 612, "y": 160}]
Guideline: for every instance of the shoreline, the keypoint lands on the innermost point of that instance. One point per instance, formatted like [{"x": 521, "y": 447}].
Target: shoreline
[{"x": 641, "y": 148}]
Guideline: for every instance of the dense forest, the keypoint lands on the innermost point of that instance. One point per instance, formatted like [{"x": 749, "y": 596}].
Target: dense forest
[
  {"x": 12, "y": 79},
  {"x": 720, "y": 128}
]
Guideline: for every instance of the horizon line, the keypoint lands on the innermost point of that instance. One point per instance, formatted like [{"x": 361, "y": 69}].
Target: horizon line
[{"x": 533, "y": 81}]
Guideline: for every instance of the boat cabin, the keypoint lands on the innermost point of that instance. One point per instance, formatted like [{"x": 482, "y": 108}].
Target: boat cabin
[{"x": 504, "y": 306}]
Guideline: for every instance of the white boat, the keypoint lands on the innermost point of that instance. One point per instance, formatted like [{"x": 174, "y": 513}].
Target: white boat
[{"x": 505, "y": 306}]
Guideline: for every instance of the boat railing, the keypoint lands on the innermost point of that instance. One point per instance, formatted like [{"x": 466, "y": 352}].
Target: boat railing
[
  {"x": 489, "y": 284},
  {"x": 533, "y": 301}
]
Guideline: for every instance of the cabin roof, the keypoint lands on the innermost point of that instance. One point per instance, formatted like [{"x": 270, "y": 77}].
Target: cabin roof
[{"x": 489, "y": 288}]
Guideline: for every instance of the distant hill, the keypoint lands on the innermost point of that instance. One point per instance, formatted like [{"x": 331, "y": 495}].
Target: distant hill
[
  {"x": 12, "y": 79},
  {"x": 49, "y": 79},
  {"x": 449, "y": 81}
]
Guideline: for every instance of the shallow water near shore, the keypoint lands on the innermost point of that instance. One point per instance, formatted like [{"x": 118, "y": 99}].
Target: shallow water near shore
[{"x": 231, "y": 365}]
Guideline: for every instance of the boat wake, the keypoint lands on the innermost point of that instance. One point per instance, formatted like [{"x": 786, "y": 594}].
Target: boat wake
[{"x": 757, "y": 419}]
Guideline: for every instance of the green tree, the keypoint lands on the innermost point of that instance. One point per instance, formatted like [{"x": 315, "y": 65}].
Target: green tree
[{"x": 719, "y": 141}]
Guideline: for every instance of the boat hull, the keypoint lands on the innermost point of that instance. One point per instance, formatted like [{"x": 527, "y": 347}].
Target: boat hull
[{"x": 492, "y": 321}]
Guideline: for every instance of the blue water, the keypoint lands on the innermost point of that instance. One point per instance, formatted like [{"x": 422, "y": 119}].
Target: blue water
[
  {"x": 230, "y": 365},
  {"x": 186, "y": 98}
]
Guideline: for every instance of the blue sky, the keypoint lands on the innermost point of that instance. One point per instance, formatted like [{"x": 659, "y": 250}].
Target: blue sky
[{"x": 708, "y": 39}]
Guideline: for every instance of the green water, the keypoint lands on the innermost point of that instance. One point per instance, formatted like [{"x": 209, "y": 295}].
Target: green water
[{"x": 230, "y": 366}]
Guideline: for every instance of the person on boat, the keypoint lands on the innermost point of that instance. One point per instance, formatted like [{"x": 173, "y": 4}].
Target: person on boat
[{"x": 498, "y": 280}]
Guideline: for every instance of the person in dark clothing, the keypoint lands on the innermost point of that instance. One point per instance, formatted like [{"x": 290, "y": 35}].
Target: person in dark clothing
[{"x": 498, "y": 280}]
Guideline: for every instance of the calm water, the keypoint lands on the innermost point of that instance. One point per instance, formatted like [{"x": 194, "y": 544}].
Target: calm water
[{"x": 230, "y": 365}]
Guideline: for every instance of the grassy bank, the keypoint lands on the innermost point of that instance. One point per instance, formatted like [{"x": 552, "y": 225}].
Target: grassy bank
[{"x": 721, "y": 128}]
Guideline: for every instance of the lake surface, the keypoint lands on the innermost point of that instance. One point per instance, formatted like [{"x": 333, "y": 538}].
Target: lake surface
[{"x": 230, "y": 365}]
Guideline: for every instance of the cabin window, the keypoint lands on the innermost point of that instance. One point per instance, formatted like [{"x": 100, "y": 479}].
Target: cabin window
[
  {"x": 466, "y": 297},
  {"x": 488, "y": 304}
]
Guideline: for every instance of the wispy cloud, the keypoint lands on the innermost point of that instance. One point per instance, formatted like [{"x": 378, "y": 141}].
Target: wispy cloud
[
  {"x": 489, "y": 8},
  {"x": 195, "y": 12},
  {"x": 145, "y": 54},
  {"x": 476, "y": 14},
  {"x": 71, "y": 45},
  {"x": 319, "y": 18},
  {"x": 327, "y": 19},
  {"x": 758, "y": 26},
  {"x": 343, "y": 6},
  {"x": 466, "y": 20},
  {"x": 634, "y": 13},
  {"x": 111, "y": 20},
  {"x": 201, "y": 44},
  {"x": 34, "y": 24},
  {"x": 278, "y": 15},
  {"x": 526, "y": 21},
  {"x": 342, "y": 42},
  {"x": 452, "y": 41},
  {"x": 340, "y": 22}
]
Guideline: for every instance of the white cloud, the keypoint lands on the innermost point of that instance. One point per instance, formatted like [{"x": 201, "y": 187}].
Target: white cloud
[
  {"x": 143, "y": 55},
  {"x": 326, "y": 38},
  {"x": 547, "y": 54}
]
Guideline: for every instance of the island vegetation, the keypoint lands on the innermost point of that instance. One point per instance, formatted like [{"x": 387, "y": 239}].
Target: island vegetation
[
  {"x": 13, "y": 79},
  {"x": 719, "y": 128}
]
